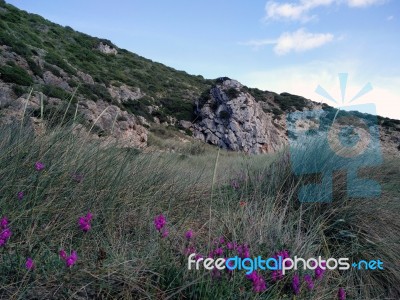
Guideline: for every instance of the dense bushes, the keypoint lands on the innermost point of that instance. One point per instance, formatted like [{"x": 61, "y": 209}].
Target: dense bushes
[
  {"x": 14, "y": 74},
  {"x": 289, "y": 102},
  {"x": 94, "y": 92},
  {"x": 36, "y": 69},
  {"x": 54, "y": 91}
]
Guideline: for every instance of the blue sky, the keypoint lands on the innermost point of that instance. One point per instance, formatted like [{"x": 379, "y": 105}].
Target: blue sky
[{"x": 282, "y": 46}]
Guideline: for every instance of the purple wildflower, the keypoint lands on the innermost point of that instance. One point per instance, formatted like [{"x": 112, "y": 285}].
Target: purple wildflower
[
  {"x": 63, "y": 254},
  {"x": 341, "y": 294},
  {"x": 219, "y": 251},
  {"x": 189, "y": 234},
  {"x": 69, "y": 260},
  {"x": 215, "y": 273},
  {"x": 277, "y": 275},
  {"x": 243, "y": 251},
  {"x": 259, "y": 284},
  {"x": 235, "y": 184},
  {"x": 39, "y": 166},
  {"x": 198, "y": 256},
  {"x": 84, "y": 222},
  {"x": 77, "y": 177},
  {"x": 5, "y": 232},
  {"x": 20, "y": 195},
  {"x": 320, "y": 270},
  {"x": 230, "y": 246},
  {"x": 296, "y": 284},
  {"x": 3, "y": 223},
  {"x": 159, "y": 222},
  {"x": 164, "y": 233},
  {"x": 190, "y": 250},
  {"x": 29, "y": 264},
  {"x": 309, "y": 281}
]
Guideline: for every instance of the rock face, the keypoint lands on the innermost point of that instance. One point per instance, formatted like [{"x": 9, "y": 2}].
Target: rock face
[
  {"x": 232, "y": 119},
  {"x": 111, "y": 121},
  {"x": 106, "y": 49},
  {"x": 125, "y": 93}
]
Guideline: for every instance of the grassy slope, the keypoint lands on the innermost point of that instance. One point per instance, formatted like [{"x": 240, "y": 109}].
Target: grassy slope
[{"x": 254, "y": 202}]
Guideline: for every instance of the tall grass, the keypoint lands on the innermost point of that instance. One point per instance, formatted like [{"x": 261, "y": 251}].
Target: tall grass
[{"x": 254, "y": 202}]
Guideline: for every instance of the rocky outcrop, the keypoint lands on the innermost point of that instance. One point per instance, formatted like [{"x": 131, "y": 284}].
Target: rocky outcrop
[
  {"x": 232, "y": 119},
  {"x": 125, "y": 93},
  {"x": 112, "y": 122},
  {"x": 106, "y": 49}
]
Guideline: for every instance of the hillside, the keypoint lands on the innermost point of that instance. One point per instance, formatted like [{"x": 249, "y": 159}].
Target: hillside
[{"x": 119, "y": 94}]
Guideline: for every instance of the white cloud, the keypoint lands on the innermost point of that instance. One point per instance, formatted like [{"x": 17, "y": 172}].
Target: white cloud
[
  {"x": 363, "y": 3},
  {"x": 300, "y": 11},
  {"x": 301, "y": 40},
  {"x": 297, "y": 41}
]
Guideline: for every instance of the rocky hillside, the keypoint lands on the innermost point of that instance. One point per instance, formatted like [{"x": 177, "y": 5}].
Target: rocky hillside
[{"x": 54, "y": 74}]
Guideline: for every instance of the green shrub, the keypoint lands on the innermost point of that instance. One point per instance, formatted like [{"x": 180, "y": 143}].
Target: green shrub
[
  {"x": 54, "y": 59},
  {"x": 232, "y": 93},
  {"x": 18, "y": 90},
  {"x": 139, "y": 108},
  {"x": 277, "y": 111},
  {"x": 35, "y": 68},
  {"x": 54, "y": 91},
  {"x": 179, "y": 108},
  {"x": 52, "y": 69},
  {"x": 15, "y": 74},
  {"x": 94, "y": 92}
]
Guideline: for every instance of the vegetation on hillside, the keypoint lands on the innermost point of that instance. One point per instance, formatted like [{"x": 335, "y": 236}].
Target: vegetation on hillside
[
  {"x": 64, "y": 49},
  {"x": 82, "y": 220}
]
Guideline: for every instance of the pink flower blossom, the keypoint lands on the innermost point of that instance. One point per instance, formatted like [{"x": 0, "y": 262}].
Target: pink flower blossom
[
  {"x": 198, "y": 256},
  {"x": 69, "y": 260},
  {"x": 320, "y": 270},
  {"x": 296, "y": 284},
  {"x": 29, "y": 264},
  {"x": 243, "y": 251},
  {"x": 215, "y": 273},
  {"x": 20, "y": 195},
  {"x": 164, "y": 233},
  {"x": 309, "y": 281},
  {"x": 159, "y": 222},
  {"x": 5, "y": 232},
  {"x": 4, "y": 223},
  {"x": 63, "y": 254},
  {"x": 277, "y": 275},
  {"x": 189, "y": 234},
  {"x": 341, "y": 294},
  {"x": 77, "y": 177},
  {"x": 218, "y": 251},
  {"x": 39, "y": 166},
  {"x": 258, "y": 281},
  {"x": 230, "y": 246},
  {"x": 190, "y": 250},
  {"x": 85, "y": 222}
]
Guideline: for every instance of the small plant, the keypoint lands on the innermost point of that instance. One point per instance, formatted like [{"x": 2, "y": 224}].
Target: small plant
[{"x": 232, "y": 93}]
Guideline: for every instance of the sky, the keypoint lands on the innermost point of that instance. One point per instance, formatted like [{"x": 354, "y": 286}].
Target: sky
[{"x": 282, "y": 46}]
